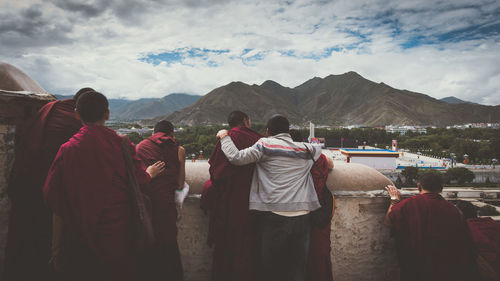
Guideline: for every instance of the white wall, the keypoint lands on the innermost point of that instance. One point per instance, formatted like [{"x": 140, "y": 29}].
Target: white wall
[{"x": 376, "y": 162}]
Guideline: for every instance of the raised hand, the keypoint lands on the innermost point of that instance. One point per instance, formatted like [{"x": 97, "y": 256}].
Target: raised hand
[{"x": 393, "y": 192}]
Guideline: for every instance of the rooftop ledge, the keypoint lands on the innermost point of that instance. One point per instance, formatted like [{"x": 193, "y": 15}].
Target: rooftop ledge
[{"x": 26, "y": 94}]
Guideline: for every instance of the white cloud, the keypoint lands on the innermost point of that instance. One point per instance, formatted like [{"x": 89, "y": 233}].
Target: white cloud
[{"x": 100, "y": 44}]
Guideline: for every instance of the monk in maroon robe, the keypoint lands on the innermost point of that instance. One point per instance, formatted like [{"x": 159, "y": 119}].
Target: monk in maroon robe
[
  {"x": 206, "y": 196},
  {"x": 485, "y": 233},
  {"x": 165, "y": 261},
  {"x": 319, "y": 264},
  {"x": 230, "y": 224},
  {"x": 88, "y": 191},
  {"x": 29, "y": 236},
  {"x": 431, "y": 235}
]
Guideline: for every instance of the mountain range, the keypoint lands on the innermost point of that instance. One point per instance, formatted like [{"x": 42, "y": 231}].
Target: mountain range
[
  {"x": 454, "y": 100},
  {"x": 146, "y": 108},
  {"x": 344, "y": 99}
]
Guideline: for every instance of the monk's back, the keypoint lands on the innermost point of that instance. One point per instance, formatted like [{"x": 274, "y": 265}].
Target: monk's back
[
  {"x": 161, "y": 147},
  {"x": 93, "y": 196},
  {"x": 433, "y": 239},
  {"x": 61, "y": 125}
]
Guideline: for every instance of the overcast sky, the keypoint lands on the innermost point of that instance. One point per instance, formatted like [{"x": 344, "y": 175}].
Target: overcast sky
[{"x": 150, "y": 48}]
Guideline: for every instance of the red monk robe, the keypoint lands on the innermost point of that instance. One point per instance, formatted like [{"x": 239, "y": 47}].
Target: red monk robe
[
  {"x": 87, "y": 187},
  {"x": 28, "y": 245},
  {"x": 319, "y": 265},
  {"x": 486, "y": 235},
  {"x": 230, "y": 228},
  {"x": 206, "y": 196},
  {"x": 165, "y": 259},
  {"x": 432, "y": 238}
]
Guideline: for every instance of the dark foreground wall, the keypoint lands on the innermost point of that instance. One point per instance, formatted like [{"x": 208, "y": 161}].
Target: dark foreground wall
[{"x": 16, "y": 112}]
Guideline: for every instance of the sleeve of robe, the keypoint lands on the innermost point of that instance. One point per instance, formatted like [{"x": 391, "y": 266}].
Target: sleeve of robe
[
  {"x": 206, "y": 196},
  {"x": 219, "y": 165},
  {"x": 141, "y": 175},
  {"x": 397, "y": 216},
  {"x": 53, "y": 191},
  {"x": 319, "y": 173}
]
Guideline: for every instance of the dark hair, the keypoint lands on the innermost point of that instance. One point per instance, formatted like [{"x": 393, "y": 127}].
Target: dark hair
[
  {"x": 467, "y": 208},
  {"x": 81, "y": 91},
  {"x": 296, "y": 135},
  {"x": 164, "y": 126},
  {"x": 431, "y": 182},
  {"x": 235, "y": 118},
  {"x": 278, "y": 124},
  {"x": 92, "y": 106}
]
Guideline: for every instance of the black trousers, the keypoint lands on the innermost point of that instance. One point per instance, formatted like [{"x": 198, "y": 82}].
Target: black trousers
[{"x": 284, "y": 247}]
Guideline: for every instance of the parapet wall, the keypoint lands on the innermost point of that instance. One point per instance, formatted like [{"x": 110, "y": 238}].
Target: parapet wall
[
  {"x": 362, "y": 248},
  {"x": 481, "y": 175}
]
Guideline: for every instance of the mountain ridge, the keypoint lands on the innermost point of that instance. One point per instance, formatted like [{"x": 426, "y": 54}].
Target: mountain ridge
[
  {"x": 144, "y": 108},
  {"x": 342, "y": 99}
]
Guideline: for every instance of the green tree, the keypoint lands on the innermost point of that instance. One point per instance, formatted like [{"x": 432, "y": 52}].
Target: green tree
[
  {"x": 488, "y": 210},
  {"x": 135, "y": 137},
  {"x": 410, "y": 174},
  {"x": 460, "y": 175}
]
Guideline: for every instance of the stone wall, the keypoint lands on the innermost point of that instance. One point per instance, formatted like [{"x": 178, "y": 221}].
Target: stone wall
[
  {"x": 7, "y": 134},
  {"x": 481, "y": 175},
  {"x": 16, "y": 112},
  {"x": 362, "y": 248}
]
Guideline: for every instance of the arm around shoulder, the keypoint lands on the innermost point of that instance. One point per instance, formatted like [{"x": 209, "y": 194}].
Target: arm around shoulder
[{"x": 239, "y": 157}]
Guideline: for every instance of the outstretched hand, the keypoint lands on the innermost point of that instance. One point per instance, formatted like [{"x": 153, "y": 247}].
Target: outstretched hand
[
  {"x": 221, "y": 134},
  {"x": 393, "y": 192},
  {"x": 155, "y": 169}
]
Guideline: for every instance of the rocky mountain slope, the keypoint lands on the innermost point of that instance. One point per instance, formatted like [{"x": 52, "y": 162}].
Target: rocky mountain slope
[{"x": 334, "y": 100}]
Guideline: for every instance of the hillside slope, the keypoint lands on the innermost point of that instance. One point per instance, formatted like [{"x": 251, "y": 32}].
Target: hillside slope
[{"x": 336, "y": 100}]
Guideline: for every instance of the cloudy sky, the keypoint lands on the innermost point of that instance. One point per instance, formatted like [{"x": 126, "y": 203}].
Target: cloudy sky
[{"x": 150, "y": 48}]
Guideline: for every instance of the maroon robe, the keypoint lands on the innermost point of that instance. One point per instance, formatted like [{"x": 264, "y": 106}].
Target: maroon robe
[
  {"x": 433, "y": 241},
  {"x": 206, "y": 196},
  {"x": 319, "y": 264},
  {"x": 165, "y": 259},
  {"x": 29, "y": 236},
  {"x": 485, "y": 233},
  {"x": 87, "y": 187},
  {"x": 230, "y": 226}
]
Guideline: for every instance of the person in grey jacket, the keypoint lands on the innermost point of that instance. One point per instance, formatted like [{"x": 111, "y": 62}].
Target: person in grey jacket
[{"x": 282, "y": 194}]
